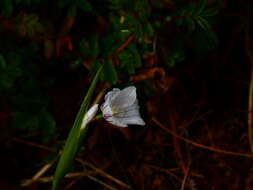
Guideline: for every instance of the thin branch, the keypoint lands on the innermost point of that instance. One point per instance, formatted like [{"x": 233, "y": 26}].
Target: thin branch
[
  {"x": 73, "y": 182},
  {"x": 108, "y": 176},
  {"x": 32, "y": 144},
  {"x": 69, "y": 175},
  {"x": 186, "y": 176},
  {"x": 162, "y": 169},
  {"x": 100, "y": 95},
  {"x": 167, "y": 171},
  {"x": 125, "y": 44},
  {"x": 35, "y": 178},
  {"x": 177, "y": 147},
  {"x": 200, "y": 145},
  {"x": 250, "y": 100},
  {"x": 48, "y": 179},
  {"x": 101, "y": 183}
]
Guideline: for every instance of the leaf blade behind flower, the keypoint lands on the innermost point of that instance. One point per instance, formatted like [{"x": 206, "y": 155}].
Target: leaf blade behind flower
[{"x": 73, "y": 139}]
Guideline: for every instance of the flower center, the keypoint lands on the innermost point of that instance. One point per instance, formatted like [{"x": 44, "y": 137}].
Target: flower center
[
  {"x": 114, "y": 111},
  {"x": 107, "y": 116}
]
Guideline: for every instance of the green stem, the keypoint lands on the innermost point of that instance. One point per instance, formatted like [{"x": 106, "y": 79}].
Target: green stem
[
  {"x": 99, "y": 116},
  {"x": 75, "y": 136}
]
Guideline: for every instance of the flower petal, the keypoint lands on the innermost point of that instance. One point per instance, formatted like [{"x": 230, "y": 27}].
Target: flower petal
[
  {"x": 136, "y": 120},
  {"x": 132, "y": 107},
  {"x": 117, "y": 122},
  {"x": 128, "y": 113},
  {"x": 106, "y": 109},
  {"x": 110, "y": 95},
  {"x": 121, "y": 107},
  {"x": 124, "y": 98},
  {"x": 89, "y": 115}
]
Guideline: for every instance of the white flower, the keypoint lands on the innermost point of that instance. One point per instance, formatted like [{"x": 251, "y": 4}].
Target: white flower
[
  {"x": 121, "y": 107},
  {"x": 89, "y": 115}
]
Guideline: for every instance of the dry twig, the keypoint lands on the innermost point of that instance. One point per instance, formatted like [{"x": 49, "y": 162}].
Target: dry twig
[
  {"x": 108, "y": 176},
  {"x": 200, "y": 145},
  {"x": 48, "y": 179},
  {"x": 186, "y": 176},
  {"x": 69, "y": 175},
  {"x": 250, "y": 101},
  {"x": 125, "y": 44},
  {"x": 36, "y": 177}
]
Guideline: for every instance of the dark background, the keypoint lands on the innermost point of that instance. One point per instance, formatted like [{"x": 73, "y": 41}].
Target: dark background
[{"x": 193, "y": 84}]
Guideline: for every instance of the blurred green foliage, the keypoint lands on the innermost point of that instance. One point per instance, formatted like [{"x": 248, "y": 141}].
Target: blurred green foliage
[
  {"x": 116, "y": 33},
  {"x": 21, "y": 90}
]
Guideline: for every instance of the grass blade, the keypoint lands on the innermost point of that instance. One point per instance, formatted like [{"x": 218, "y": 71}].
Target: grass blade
[{"x": 71, "y": 146}]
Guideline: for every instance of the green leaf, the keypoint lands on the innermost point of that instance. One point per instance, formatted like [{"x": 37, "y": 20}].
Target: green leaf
[
  {"x": 189, "y": 10},
  {"x": 28, "y": 24},
  {"x": 85, "y": 5},
  {"x": 14, "y": 59},
  {"x": 94, "y": 46},
  {"x": 210, "y": 12},
  {"x": 25, "y": 121},
  {"x": 174, "y": 57},
  {"x": 212, "y": 38},
  {"x": 110, "y": 74},
  {"x": 169, "y": 61},
  {"x": 115, "y": 21},
  {"x": 123, "y": 57},
  {"x": 203, "y": 23},
  {"x": 73, "y": 140},
  {"x": 179, "y": 21},
  {"x": 94, "y": 67},
  {"x": 27, "y": 2},
  {"x": 76, "y": 63},
  {"x": 205, "y": 40},
  {"x": 200, "y": 7},
  {"x": 190, "y": 23},
  {"x": 130, "y": 59},
  {"x": 130, "y": 68},
  {"x": 148, "y": 29},
  {"x": 5, "y": 81},
  {"x": 90, "y": 47},
  {"x": 19, "y": 119},
  {"x": 47, "y": 125},
  {"x": 63, "y": 3},
  {"x": 137, "y": 59},
  {"x": 72, "y": 11},
  {"x": 7, "y": 7},
  {"x": 9, "y": 69},
  {"x": 2, "y": 62},
  {"x": 157, "y": 4},
  {"x": 136, "y": 55},
  {"x": 110, "y": 42}
]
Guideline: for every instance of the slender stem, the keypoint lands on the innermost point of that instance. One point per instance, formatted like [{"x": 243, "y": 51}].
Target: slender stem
[
  {"x": 250, "y": 99},
  {"x": 99, "y": 116},
  {"x": 213, "y": 149}
]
